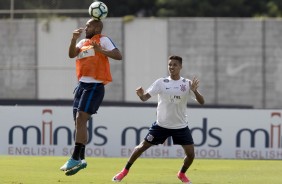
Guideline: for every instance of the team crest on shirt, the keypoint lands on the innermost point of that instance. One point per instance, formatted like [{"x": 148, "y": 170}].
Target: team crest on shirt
[
  {"x": 183, "y": 87},
  {"x": 150, "y": 137},
  {"x": 166, "y": 80}
]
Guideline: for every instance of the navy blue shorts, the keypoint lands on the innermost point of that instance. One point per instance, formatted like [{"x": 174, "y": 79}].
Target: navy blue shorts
[
  {"x": 88, "y": 97},
  {"x": 158, "y": 135}
]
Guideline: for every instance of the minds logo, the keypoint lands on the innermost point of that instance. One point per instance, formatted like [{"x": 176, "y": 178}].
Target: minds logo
[
  {"x": 48, "y": 131},
  {"x": 261, "y": 143},
  {"x": 272, "y": 138}
]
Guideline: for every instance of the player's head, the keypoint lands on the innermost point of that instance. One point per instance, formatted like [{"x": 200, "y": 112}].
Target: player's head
[
  {"x": 174, "y": 65},
  {"x": 174, "y": 57},
  {"x": 93, "y": 27}
]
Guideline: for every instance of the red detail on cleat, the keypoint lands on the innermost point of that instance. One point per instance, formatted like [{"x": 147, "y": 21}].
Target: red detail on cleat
[
  {"x": 183, "y": 178},
  {"x": 120, "y": 176}
]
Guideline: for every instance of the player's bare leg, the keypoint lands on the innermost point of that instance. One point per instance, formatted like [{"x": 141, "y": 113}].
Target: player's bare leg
[
  {"x": 188, "y": 160},
  {"x": 137, "y": 152},
  {"x": 74, "y": 164}
]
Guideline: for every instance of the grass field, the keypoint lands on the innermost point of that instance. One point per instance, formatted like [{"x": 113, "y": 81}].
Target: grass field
[{"x": 45, "y": 170}]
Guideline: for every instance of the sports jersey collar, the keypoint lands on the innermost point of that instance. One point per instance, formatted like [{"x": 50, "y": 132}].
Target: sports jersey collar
[{"x": 169, "y": 78}]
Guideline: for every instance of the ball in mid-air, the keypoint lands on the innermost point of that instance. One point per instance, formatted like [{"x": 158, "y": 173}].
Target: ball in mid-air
[{"x": 98, "y": 10}]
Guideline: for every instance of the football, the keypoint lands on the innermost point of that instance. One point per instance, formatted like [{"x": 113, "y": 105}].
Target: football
[{"x": 98, "y": 10}]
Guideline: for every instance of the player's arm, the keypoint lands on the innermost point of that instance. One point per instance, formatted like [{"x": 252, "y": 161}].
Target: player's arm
[
  {"x": 199, "y": 97},
  {"x": 73, "y": 50},
  {"x": 114, "y": 54},
  {"x": 194, "y": 87},
  {"x": 142, "y": 96}
]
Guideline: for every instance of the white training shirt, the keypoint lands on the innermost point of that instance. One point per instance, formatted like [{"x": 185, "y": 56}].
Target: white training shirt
[
  {"x": 173, "y": 96},
  {"x": 107, "y": 44}
]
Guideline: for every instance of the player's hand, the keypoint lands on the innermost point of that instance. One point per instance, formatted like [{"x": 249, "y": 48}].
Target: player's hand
[
  {"x": 96, "y": 46},
  {"x": 140, "y": 91},
  {"x": 195, "y": 84},
  {"x": 76, "y": 33}
]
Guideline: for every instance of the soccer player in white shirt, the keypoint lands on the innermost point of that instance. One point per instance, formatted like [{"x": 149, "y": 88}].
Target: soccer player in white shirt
[{"x": 173, "y": 94}]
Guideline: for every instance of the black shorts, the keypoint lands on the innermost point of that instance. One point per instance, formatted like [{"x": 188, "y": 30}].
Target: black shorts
[
  {"x": 88, "y": 97},
  {"x": 158, "y": 135}
]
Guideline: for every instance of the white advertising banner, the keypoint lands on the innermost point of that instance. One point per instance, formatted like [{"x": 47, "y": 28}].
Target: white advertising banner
[{"x": 115, "y": 131}]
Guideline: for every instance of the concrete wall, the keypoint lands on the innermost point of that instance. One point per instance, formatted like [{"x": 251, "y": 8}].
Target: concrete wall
[
  {"x": 145, "y": 54},
  {"x": 239, "y": 50},
  {"x": 18, "y": 59},
  {"x": 56, "y": 74},
  {"x": 273, "y": 64},
  {"x": 238, "y": 61},
  {"x": 193, "y": 39},
  {"x": 57, "y": 71}
]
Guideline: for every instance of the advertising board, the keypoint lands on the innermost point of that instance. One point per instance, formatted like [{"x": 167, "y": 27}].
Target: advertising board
[{"x": 115, "y": 131}]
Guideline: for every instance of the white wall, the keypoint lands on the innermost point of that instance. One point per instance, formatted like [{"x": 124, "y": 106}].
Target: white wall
[
  {"x": 146, "y": 38},
  {"x": 145, "y": 54},
  {"x": 210, "y": 48},
  {"x": 56, "y": 74}
]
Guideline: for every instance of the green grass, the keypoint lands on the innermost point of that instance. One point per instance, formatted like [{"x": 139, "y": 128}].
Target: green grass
[{"x": 45, "y": 170}]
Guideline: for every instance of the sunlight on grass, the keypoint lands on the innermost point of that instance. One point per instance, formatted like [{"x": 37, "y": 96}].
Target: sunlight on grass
[{"x": 45, "y": 170}]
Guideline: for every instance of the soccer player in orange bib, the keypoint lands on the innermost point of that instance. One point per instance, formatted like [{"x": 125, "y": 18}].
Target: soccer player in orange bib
[{"x": 93, "y": 72}]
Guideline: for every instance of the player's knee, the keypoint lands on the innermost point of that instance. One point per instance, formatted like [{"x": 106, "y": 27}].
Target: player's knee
[
  {"x": 138, "y": 148},
  {"x": 141, "y": 148},
  {"x": 80, "y": 125},
  {"x": 82, "y": 117}
]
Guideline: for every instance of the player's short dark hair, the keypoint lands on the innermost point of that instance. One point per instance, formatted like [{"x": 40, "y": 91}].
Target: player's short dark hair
[
  {"x": 98, "y": 23},
  {"x": 178, "y": 58}
]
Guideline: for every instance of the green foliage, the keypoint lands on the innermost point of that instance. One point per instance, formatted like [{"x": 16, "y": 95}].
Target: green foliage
[
  {"x": 161, "y": 8},
  {"x": 4, "y": 4},
  {"x": 218, "y": 8}
]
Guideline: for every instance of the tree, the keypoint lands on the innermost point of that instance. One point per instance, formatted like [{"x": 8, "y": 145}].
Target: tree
[{"x": 218, "y": 8}]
